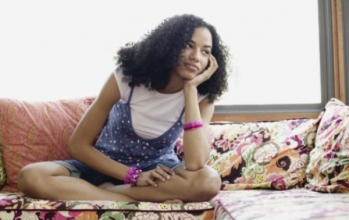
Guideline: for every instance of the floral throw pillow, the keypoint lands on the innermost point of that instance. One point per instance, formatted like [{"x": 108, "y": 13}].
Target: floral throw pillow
[
  {"x": 328, "y": 169},
  {"x": 261, "y": 154},
  {"x": 36, "y": 131}
]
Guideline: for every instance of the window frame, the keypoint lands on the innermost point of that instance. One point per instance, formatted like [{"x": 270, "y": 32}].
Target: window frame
[
  {"x": 345, "y": 14},
  {"x": 268, "y": 112}
]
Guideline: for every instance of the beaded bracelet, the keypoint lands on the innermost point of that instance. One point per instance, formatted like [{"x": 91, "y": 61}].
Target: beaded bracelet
[
  {"x": 132, "y": 176},
  {"x": 193, "y": 125}
]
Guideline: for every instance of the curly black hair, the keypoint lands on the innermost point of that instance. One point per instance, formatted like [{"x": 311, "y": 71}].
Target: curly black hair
[{"x": 150, "y": 61}]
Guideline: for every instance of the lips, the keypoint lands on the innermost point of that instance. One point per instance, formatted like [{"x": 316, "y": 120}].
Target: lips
[{"x": 191, "y": 66}]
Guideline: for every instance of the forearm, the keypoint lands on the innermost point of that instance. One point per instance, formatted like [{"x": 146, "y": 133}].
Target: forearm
[
  {"x": 98, "y": 161},
  {"x": 195, "y": 142}
]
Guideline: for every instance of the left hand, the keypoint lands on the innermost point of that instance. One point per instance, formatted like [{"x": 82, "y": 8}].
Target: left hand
[
  {"x": 206, "y": 74},
  {"x": 149, "y": 178}
]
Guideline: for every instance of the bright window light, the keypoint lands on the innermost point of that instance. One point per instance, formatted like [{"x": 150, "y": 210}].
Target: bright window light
[{"x": 63, "y": 49}]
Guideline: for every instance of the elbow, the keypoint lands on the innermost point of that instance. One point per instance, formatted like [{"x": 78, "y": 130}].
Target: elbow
[
  {"x": 194, "y": 166},
  {"x": 72, "y": 148},
  {"x": 77, "y": 148}
]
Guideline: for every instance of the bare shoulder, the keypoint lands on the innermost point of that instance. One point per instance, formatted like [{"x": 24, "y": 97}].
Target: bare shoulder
[
  {"x": 93, "y": 120},
  {"x": 109, "y": 93}
]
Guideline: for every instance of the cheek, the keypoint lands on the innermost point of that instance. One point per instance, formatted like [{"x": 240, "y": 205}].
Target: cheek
[
  {"x": 179, "y": 61},
  {"x": 182, "y": 56}
]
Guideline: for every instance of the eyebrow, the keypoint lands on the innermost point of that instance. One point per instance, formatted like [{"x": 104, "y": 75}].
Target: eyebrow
[{"x": 205, "y": 46}]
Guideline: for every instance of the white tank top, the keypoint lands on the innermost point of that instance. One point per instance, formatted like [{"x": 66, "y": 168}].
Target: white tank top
[{"x": 152, "y": 112}]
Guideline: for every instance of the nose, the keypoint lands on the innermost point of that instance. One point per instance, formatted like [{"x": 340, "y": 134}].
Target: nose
[{"x": 195, "y": 55}]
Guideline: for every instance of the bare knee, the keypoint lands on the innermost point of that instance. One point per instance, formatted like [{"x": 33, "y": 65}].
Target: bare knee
[
  {"x": 204, "y": 185},
  {"x": 29, "y": 179},
  {"x": 33, "y": 179},
  {"x": 25, "y": 177}
]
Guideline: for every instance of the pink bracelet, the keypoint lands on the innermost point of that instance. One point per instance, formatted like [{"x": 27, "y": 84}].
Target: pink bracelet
[
  {"x": 193, "y": 125},
  {"x": 132, "y": 176}
]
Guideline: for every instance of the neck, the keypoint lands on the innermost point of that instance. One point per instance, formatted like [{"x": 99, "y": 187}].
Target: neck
[{"x": 175, "y": 84}]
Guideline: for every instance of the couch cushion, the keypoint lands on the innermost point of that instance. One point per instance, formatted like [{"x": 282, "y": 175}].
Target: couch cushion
[
  {"x": 16, "y": 204},
  {"x": 261, "y": 154},
  {"x": 287, "y": 204},
  {"x": 328, "y": 169},
  {"x": 36, "y": 131}
]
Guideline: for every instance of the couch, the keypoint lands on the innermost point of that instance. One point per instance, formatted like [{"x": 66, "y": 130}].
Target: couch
[{"x": 289, "y": 169}]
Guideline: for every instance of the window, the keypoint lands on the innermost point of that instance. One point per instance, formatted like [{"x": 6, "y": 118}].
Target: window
[
  {"x": 275, "y": 48},
  {"x": 345, "y": 11},
  {"x": 64, "y": 49},
  {"x": 317, "y": 71}
]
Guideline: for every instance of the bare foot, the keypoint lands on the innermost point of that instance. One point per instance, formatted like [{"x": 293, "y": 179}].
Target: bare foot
[
  {"x": 174, "y": 201},
  {"x": 106, "y": 185},
  {"x": 109, "y": 185}
]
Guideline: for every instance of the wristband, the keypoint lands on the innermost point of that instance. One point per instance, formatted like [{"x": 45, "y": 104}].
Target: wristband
[
  {"x": 132, "y": 176},
  {"x": 193, "y": 125}
]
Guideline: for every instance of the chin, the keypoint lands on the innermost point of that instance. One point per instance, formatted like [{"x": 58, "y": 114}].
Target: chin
[
  {"x": 186, "y": 74},
  {"x": 189, "y": 76}
]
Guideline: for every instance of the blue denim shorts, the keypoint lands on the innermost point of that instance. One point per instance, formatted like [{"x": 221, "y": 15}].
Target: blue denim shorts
[{"x": 80, "y": 170}]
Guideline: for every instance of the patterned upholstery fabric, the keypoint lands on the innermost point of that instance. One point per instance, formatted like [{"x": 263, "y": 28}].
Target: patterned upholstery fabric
[
  {"x": 295, "y": 204},
  {"x": 261, "y": 154},
  {"x": 328, "y": 169},
  {"x": 18, "y": 206},
  {"x": 270, "y": 155}
]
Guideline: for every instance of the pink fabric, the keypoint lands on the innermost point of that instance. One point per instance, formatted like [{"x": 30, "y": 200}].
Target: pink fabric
[{"x": 36, "y": 131}]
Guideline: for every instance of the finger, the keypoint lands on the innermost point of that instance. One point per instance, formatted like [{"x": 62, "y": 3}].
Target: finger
[
  {"x": 152, "y": 183},
  {"x": 163, "y": 173},
  {"x": 168, "y": 170},
  {"x": 158, "y": 174},
  {"x": 213, "y": 65},
  {"x": 214, "y": 62}
]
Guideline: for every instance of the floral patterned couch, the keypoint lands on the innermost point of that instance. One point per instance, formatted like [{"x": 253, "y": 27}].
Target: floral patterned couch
[{"x": 290, "y": 169}]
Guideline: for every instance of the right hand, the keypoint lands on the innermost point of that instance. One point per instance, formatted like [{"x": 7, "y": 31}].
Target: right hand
[
  {"x": 206, "y": 74},
  {"x": 149, "y": 178}
]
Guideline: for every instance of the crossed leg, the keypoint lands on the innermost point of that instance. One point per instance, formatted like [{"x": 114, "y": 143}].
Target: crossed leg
[
  {"x": 49, "y": 180},
  {"x": 188, "y": 186},
  {"x": 53, "y": 181}
]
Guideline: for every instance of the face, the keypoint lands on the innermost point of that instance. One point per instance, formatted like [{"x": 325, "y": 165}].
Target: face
[{"x": 195, "y": 56}]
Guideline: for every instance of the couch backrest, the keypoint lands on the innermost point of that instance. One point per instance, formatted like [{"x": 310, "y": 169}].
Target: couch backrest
[
  {"x": 270, "y": 154},
  {"x": 36, "y": 131},
  {"x": 246, "y": 155}
]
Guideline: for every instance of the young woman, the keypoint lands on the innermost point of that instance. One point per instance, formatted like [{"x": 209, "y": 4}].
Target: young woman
[{"x": 123, "y": 145}]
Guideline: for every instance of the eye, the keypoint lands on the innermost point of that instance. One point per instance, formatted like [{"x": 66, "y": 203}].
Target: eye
[
  {"x": 188, "y": 46},
  {"x": 207, "y": 52}
]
